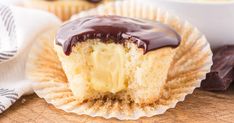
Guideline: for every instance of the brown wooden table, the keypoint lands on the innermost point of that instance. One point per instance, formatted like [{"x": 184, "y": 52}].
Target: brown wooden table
[{"x": 200, "y": 107}]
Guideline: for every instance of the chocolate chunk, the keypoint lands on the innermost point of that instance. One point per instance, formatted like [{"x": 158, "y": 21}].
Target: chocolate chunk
[
  {"x": 149, "y": 35},
  {"x": 222, "y": 70}
]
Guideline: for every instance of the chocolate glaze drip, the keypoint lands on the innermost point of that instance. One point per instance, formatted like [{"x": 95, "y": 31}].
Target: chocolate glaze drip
[{"x": 148, "y": 35}]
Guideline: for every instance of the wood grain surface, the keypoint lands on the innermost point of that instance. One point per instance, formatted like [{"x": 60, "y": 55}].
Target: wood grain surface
[{"x": 200, "y": 107}]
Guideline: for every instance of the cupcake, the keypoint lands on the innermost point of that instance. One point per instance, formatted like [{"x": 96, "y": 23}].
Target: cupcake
[
  {"x": 115, "y": 55},
  {"x": 64, "y": 9},
  {"x": 122, "y": 60}
]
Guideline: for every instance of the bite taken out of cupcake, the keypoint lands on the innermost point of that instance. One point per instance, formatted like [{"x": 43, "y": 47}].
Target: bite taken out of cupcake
[{"x": 116, "y": 57}]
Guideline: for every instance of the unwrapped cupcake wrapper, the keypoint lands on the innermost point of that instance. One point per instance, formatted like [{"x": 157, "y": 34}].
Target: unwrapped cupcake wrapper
[
  {"x": 63, "y": 9},
  {"x": 192, "y": 61}
]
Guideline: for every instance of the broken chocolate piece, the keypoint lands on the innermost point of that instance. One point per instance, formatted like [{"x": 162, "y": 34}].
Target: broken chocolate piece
[{"x": 222, "y": 70}]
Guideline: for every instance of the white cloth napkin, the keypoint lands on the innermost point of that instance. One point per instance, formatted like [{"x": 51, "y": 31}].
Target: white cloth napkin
[{"x": 18, "y": 29}]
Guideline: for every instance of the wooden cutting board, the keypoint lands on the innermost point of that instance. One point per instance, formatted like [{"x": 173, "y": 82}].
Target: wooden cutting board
[{"x": 200, "y": 107}]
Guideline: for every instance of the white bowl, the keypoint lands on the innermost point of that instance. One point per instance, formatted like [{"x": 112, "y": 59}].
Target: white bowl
[{"x": 214, "y": 19}]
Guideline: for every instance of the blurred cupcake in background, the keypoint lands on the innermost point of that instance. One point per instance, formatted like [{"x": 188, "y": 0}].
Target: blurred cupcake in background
[{"x": 64, "y": 9}]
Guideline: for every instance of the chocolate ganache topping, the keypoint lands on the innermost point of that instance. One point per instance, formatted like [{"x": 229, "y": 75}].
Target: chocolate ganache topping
[
  {"x": 149, "y": 35},
  {"x": 94, "y": 1}
]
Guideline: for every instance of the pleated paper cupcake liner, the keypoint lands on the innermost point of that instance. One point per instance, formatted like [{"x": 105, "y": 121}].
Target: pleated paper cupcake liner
[
  {"x": 64, "y": 9},
  {"x": 192, "y": 61}
]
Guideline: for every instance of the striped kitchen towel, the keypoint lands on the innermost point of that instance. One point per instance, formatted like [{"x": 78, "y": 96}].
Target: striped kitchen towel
[
  {"x": 18, "y": 29},
  {"x": 8, "y": 44}
]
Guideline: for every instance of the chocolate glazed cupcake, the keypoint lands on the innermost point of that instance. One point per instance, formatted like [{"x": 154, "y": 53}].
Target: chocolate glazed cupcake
[
  {"x": 122, "y": 60},
  {"x": 64, "y": 9},
  {"x": 114, "y": 55}
]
